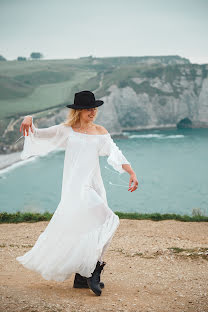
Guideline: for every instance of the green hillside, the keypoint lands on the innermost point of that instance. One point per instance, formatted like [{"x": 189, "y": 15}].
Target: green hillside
[
  {"x": 42, "y": 87},
  {"x": 37, "y": 85}
]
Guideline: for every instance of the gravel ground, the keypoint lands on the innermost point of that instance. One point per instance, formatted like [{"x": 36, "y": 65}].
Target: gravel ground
[{"x": 145, "y": 271}]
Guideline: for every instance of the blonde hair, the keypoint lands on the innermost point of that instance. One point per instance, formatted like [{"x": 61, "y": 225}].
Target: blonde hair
[{"x": 73, "y": 116}]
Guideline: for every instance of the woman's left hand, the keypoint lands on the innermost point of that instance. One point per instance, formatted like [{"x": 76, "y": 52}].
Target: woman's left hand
[{"x": 133, "y": 179}]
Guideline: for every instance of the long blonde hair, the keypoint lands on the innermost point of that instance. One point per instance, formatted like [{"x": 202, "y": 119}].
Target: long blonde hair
[{"x": 73, "y": 116}]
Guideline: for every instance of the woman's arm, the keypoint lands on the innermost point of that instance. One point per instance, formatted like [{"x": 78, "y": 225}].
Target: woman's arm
[
  {"x": 117, "y": 160},
  {"x": 39, "y": 142},
  {"x": 133, "y": 177},
  {"x": 27, "y": 125}
]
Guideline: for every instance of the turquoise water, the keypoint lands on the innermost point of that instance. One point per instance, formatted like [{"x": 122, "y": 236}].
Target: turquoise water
[{"x": 171, "y": 167}]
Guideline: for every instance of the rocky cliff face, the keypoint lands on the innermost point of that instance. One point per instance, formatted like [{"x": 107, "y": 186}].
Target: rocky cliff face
[
  {"x": 158, "y": 101},
  {"x": 138, "y": 93}
]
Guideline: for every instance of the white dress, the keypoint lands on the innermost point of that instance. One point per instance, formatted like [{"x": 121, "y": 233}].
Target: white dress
[{"x": 82, "y": 225}]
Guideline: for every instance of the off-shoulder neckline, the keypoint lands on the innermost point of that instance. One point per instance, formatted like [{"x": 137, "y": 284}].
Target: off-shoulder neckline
[{"x": 89, "y": 134}]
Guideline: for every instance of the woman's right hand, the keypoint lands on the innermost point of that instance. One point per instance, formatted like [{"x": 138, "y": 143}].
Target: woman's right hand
[{"x": 26, "y": 124}]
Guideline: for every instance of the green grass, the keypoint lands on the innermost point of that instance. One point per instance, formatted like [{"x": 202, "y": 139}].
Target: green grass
[
  {"x": 24, "y": 217},
  {"x": 40, "y": 77},
  {"x": 159, "y": 217},
  {"x": 44, "y": 97},
  {"x": 178, "y": 250},
  {"x": 33, "y": 86},
  {"x": 13, "y": 89},
  {"x": 35, "y": 217},
  {"x": 192, "y": 253}
]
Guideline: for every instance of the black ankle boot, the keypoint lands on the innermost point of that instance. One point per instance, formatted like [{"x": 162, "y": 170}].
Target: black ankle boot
[
  {"x": 94, "y": 281},
  {"x": 81, "y": 282}
]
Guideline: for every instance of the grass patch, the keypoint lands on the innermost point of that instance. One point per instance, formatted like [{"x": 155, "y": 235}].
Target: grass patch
[
  {"x": 16, "y": 245},
  {"x": 193, "y": 253},
  {"x": 159, "y": 217},
  {"x": 183, "y": 253},
  {"x": 24, "y": 217},
  {"x": 42, "y": 97},
  {"x": 177, "y": 249},
  {"x": 35, "y": 217}
]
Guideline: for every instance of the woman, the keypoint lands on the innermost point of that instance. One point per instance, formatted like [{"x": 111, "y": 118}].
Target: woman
[{"x": 83, "y": 225}]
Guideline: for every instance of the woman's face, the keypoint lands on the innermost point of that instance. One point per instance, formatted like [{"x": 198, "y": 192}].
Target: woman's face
[{"x": 88, "y": 114}]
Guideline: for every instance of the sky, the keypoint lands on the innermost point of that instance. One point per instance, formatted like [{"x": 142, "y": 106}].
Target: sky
[{"x": 63, "y": 29}]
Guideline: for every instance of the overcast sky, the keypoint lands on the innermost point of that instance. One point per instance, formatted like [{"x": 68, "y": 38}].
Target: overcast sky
[{"x": 75, "y": 28}]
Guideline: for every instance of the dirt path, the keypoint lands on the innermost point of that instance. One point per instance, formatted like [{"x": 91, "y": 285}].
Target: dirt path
[{"x": 142, "y": 272}]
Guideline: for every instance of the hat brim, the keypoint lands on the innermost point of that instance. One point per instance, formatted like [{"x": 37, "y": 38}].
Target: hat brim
[{"x": 96, "y": 104}]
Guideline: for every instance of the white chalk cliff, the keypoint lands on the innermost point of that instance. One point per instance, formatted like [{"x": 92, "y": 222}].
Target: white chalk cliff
[{"x": 165, "y": 105}]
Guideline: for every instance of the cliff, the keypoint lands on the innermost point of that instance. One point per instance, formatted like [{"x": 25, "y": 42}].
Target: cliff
[
  {"x": 157, "y": 97},
  {"x": 139, "y": 93}
]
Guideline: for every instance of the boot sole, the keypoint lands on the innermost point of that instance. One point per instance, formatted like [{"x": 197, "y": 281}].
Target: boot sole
[{"x": 97, "y": 292}]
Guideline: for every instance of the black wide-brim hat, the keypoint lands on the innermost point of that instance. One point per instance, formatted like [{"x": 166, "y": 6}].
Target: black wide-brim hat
[{"x": 85, "y": 99}]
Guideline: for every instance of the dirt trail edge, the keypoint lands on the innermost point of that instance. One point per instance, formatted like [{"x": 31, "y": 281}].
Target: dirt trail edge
[{"x": 150, "y": 266}]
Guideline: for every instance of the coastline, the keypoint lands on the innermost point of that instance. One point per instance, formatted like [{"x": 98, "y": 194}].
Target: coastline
[
  {"x": 7, "y": 160},
  {"x": 167, "y": 127}
]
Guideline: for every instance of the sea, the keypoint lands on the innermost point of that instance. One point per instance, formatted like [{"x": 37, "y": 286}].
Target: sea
[{"x": 171, "y": 167}]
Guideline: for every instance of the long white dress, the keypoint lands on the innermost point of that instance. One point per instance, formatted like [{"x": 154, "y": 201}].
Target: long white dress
[{"x": 82, "y": 225}]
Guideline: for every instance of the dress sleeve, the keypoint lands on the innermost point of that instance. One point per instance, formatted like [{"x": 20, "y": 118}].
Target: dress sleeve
[
  {"x": 115, "y": 156},
  {"x": 43, "y": 141}
]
